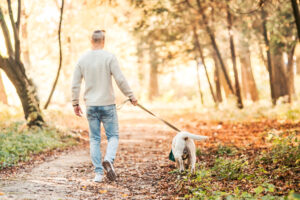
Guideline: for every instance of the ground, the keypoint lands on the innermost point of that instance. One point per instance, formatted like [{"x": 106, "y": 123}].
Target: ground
[
  {"x": 142, "y": 165},
  {"x": 142, "y": 162}
]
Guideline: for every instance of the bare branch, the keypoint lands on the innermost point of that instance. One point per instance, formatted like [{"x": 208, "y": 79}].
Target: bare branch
[
  {"x": 16, "y": 36},
  {"x": 60, "y": 55},
  {"x": 19, "y": 16},
  {"x": 6, "y": 34}
]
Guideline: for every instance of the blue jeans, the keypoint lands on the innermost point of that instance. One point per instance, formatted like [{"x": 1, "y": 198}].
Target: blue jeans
[{"x": 108, "y": 116}]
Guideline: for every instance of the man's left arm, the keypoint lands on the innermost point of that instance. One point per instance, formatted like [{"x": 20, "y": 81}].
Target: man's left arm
[{"x": 76, "y": 84}]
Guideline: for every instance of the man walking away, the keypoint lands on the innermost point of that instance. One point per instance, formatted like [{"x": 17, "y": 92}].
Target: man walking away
[{"x": 97, "y": 67}]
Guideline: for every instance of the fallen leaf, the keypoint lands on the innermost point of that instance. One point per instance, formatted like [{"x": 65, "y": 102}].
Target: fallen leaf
[{"x": 102, "y": 191}]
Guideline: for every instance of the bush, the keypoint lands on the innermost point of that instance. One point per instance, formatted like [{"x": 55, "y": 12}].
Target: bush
[
  {"x": 285, "y": 151},
  {"x": 18, "y": 146},
  {"x": 229, "y": 169}
]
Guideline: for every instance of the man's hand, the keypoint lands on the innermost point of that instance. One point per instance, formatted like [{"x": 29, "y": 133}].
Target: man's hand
[
  {"x": 134, "y": 101},
  {"x": 78, "y": 110}
]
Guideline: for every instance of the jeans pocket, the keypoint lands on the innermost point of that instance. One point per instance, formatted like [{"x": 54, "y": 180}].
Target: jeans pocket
[{"x": 91, "y": 112}]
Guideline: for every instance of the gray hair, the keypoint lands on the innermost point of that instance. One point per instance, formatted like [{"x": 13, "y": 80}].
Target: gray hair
[{"x": 98, "y": 36}]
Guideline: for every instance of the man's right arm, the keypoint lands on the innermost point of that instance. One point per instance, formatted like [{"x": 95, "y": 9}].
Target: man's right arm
[{"x": 121, "y": 80}]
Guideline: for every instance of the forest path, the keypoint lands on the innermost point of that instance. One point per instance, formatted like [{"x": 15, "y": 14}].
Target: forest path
[{"x": 142, "y": 167}]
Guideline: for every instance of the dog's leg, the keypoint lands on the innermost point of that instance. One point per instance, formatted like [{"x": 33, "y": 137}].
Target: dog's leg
[
  {"x": 192, "y": 155},
  {"x": 193, "y": 162},
  {"x": 181, "y": 164},
  {"x": 177, "y": 163}
]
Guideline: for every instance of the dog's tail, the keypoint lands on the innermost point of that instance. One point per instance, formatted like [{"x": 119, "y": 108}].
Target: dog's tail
[{"x": 193, "y": 136}]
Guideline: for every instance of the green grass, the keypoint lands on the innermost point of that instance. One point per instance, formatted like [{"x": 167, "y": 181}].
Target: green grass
[{"x": 19, "y": 145}]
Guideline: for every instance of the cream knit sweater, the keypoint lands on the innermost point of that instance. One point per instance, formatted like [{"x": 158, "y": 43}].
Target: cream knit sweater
[{"x": 97, "y": 67}]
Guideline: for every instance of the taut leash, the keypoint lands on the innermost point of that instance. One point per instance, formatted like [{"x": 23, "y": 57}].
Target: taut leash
[
  {"x": 164, "y": 121},
  {"x": 151, "y": 113},
  {"x": 171, "y": 155}
]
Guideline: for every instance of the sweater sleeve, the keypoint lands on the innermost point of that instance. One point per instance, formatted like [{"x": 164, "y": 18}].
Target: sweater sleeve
[
  {"x": 76, "y": 84},
  {"x": 120, "y": 79}
]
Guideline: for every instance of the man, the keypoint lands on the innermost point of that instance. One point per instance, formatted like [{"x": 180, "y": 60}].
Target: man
[{"x": 97, "y": 67}]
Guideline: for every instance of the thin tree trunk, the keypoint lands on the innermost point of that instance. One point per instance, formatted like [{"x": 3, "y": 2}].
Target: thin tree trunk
[
  {"x": 223, "y": 80},
  {"x": 214, "y": 44},
  {"x": 233, "y": 57},
  {"x": 199, "y": 82},
  {"x": 199, "y": 48},
  {"x": 217, "y": 80},
  {"x": 3, "y": 96},
  {"x": 290, "y": 75},
  {"x": 248, "y": 82},
  {"x": 279, "y": 75},
  {"x": 153, "y": 81},
  {"x": 266, "y": 40},
  {"x": 297, "y": 55},
  {"x": 60, "y": 56},
  {"x": 296, "y": 15},
  {"x": 140, "y": 58},
  {"x": 262, "y": 57},
  {"x": 25, "y": 43}
]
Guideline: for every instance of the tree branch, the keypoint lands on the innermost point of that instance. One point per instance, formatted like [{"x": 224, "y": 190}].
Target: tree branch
[
  {"x": 19, "y": 16},
  {"x": 6, "y": 34},
  {"x": 3, "y": 62},
  {"x": 16, "y": 36},
  {"x": 60, "y": 55}
]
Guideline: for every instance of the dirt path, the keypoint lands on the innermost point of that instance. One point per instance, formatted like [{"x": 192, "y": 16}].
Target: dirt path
[{"x": 142, "y": 167}]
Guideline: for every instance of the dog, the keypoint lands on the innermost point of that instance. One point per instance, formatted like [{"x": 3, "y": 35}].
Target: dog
[{"x": 183, "y": 147}]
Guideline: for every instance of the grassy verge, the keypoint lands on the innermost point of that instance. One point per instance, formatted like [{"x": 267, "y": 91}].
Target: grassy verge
[
  {"x": 17, "y": 144},
  {"x": 232, "y": 173}
]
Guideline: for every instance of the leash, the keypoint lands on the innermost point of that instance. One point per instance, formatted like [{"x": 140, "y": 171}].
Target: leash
[
  {"x": 151, "y": 113},
  {"x": 164, "y": 121},
  {"x": 171, "y": 155}
]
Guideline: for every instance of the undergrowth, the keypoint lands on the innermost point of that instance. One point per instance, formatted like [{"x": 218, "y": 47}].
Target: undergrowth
[
  {"x": 231, "y": 173},
  {"x": 17, "y": 144}
]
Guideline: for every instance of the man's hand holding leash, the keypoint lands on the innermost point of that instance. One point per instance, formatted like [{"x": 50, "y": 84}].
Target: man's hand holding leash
[{"x": 134, "y": 101}]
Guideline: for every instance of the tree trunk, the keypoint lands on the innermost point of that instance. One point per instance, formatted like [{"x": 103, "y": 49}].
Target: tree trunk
[
  {"x": 25, "y": 43},
  {"x": 3, "y": 96},
  {"x": 290, "y": 75},
  {"x": 26, "y": 90},
  {"x": 214, "y": 44},
  {"x": 60, "y": 56},
  {"x": 199, "y": 82},
  {"x": 153, "y": 81},
  {"x": 233, "y": 57},
  {"x": 262, "y": 57},
  {"x": 140, "y": 59},
  {"x": 248, "y": 82},
  {"x": 297, "y": 54},
  {"x": 199, "y": 48},
  {"x": 217, "y": 80},
  {"x": 296, "y": 15},
  {"x": 267, "y": 43},
  {"x": 279, "y": 75},
  {"x": 15, "y": 71}
]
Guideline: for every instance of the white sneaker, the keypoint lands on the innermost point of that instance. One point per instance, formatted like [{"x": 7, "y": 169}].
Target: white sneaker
[{"x": 98, "y": 178}]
